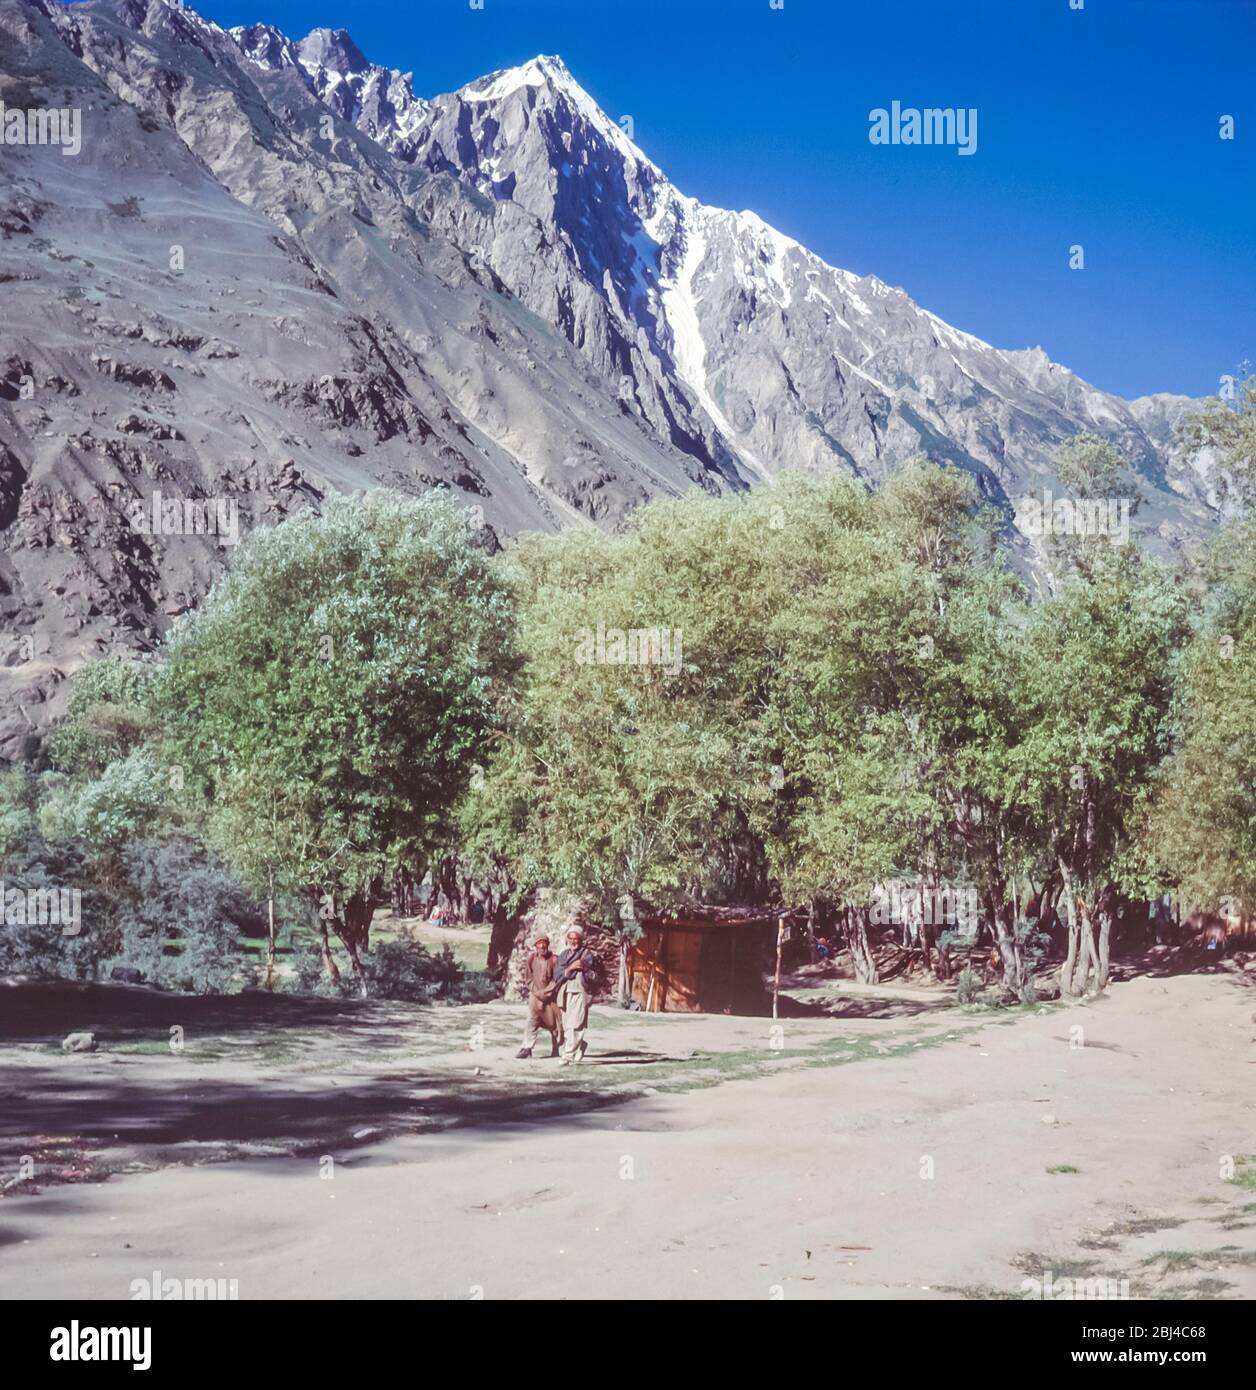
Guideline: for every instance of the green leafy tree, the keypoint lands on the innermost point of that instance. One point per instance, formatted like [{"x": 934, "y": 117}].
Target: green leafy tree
[
  {"x": 107, "y": 717},
  {"x": 634, "y": 765},
  {"x": 1102, "y": 497},
  {"x": 1097, "y": 692},
  {"x": 1202, "y": 827},
  {"x": 1226, "y": 425},
  {"x": 17, "y": 810},
  {"x": 327, "y": 701},
  {"x": 977, "y": 719},
  {"x": 871, "y": 705}
]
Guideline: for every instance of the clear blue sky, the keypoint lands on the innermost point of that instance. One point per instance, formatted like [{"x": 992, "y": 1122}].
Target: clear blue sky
[{"x": 1097, "y": 127}]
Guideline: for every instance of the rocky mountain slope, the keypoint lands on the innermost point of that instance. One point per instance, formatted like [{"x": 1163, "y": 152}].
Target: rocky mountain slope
[{"x": 274, "y": 270}]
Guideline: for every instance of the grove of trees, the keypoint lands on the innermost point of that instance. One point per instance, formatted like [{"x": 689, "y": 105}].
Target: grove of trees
[{"x": 789, "y": 697}]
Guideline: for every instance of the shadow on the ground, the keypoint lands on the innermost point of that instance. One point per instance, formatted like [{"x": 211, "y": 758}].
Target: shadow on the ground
[
  {"x": 861, "y": 1007},
  {"x": 1186, "y": 959},
  {"x": 45, "y": 1011},
  {"x": 102, "y": 1114},
  {"x": 65, "y": 1110}
]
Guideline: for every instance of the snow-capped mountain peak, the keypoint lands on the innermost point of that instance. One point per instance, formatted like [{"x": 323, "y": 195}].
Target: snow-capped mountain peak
[
  {"x": 494, "y": 291},
  {"x": 264, "y": 45},
  {"x": 379, "y": 101},
  {"x": 537, "y": 72},
  {"x": 547, "y": 73},
  {"x": 725, "y": 327},
  {"x": 784, "y": 359}
]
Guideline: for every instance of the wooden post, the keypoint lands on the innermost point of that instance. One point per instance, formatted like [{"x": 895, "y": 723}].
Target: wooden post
[
  {"x": 270, "y": 927},
  {"x": 780, "y": 938}
]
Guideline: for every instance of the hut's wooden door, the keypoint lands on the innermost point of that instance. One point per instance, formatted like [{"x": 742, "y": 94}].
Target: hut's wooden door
[
  {"x": 684, "y": 970},
  {"x": 717, "y": 971}
]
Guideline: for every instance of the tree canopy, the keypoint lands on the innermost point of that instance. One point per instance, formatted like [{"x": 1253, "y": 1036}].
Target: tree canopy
[{"x": 327, "y": 700}]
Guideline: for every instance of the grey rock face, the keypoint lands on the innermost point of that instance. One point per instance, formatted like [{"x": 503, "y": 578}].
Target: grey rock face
[
  {"x": 782, "y": 360},
  {"x": 273, "y": 271},
  {"x": 379, "y": 102},
  {"x": 214, "y": 303}
]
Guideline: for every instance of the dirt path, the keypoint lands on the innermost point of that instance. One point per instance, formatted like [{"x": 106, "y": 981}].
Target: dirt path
[{"x": 811, "y": 1183}]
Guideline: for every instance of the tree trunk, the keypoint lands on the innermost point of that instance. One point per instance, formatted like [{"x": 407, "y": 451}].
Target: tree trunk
[
  {"x": 354, "y": 930},
  {"x": 1068, "y": 971},
  {"x": 933, "y": 952},
  {"x": 270, "y": 929},
  {"x": 1009, "y": 950},
  {"x": 404, "y": 894},
  {"x": 855, "y": 930},
  {"x": 1104, "y": 913},
  {"x": 1048, "y": 908},
  {"x": 446, "y": 890},
  {"x": 621, "y": 984},
  {"x": 329, "y": 961},
  {"x": 1085, "y": 948},
  {"x": 505, "y": 936}
]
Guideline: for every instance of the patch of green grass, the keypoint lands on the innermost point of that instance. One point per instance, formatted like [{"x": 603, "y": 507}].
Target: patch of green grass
[
  {"x": 985, "y": 1293},
  {"x": 1184, "y": 1293},
  {"x": 285, "y": 1047},
  {"x": 143, "y": 1047},
  {"x": 869, "y": 1049},
  {"x": 1063, "y": 1168},
  {"x": 468, "y": 943},
  {"x": 1173, "y": 1261},
  {"x": 1143, "y": 1225},
  {"x": 1232, "y": 1255},
  {"x": 1211, "y": 1288},
  {"x": 675, "y": 1075},
  {"x": 1033, "y": 1264},
  {"x": 1244, "y": 1172}
]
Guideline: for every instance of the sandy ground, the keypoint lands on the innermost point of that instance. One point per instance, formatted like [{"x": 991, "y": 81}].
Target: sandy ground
[{"x": 871, "y": 1157}]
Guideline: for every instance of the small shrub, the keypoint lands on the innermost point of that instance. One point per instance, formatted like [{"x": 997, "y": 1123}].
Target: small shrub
[
  {"x": 17, "y": 814},
  {"x": 45, "y": 950},
  {"x": 475, "y": 987},
  {"x": 967, "y": 986},
  {"x": 310, "y": 973},
  {"x": 406, "y": 969},
  {"x": 182, "y": 926}
]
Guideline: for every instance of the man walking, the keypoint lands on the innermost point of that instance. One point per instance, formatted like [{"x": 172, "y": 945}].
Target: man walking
[
  {"x": 576, "y": 981},
  {"x": 539, "y": 970}
]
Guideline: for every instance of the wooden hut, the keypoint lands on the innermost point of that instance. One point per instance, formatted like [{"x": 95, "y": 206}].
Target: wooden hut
[{"x": 703, "y": 960}]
